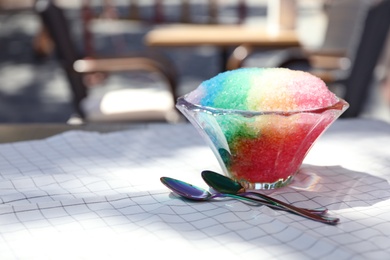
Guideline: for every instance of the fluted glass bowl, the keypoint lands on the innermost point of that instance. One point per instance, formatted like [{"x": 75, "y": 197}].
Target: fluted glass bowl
[{"x": 261, "y": 150}]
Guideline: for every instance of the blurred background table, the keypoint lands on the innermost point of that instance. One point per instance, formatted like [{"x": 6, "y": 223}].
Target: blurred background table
[
  {"x": 219, "y": 35},
  {"x": 222, "y": 36}
]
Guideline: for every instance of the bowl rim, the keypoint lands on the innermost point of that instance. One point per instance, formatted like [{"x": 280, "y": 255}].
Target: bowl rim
[{"x": 340, "y": 105}]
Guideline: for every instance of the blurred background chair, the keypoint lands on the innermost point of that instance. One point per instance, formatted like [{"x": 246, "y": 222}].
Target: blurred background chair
[
  {"x": 344, "y": 20},
  {"x": 351, "y": 74},
  {"x": 160, "y": 7},
  {"x": 354, "y": 40},
  {"x": 125, "y": 104},
  {"x": 358, "y": 78}
]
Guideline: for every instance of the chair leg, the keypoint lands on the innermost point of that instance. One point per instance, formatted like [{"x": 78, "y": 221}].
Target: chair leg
[
  {"x": 242, "y": 11},
  {"x": 109, "y": 11},
  {"x": 385, "y": 88},
  {"x": 78, "y": 89},
  {"x": 134, "y": 10},
  {"x": 239, "y": 55},
  {"x": 87, "y": 16},
  {"x": 213, "y": 11},
  {"x": 158, "y": 12},
  {"x": 185, "y": 11},
  {"x": 42, "y": 44}
]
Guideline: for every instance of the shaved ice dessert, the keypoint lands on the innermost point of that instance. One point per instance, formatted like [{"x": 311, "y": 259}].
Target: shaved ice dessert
[{"x": 261, "y": 122}]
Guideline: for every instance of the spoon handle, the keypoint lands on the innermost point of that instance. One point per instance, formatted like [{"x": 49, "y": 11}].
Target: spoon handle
[
  {"x": 299, "y": 211},
  {"x": 318, "y": 211},
  {"x": 244, "y": 197}
]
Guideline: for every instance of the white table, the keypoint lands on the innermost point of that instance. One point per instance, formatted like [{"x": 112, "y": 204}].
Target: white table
[{"x": 85, "y": 195}]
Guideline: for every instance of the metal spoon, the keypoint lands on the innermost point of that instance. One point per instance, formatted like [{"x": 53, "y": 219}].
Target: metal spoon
[
  {"x": 225, "y": 185},
  {"x": 192, "y": 192}
]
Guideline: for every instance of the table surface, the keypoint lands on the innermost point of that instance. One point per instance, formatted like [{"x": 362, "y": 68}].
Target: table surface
[
  {"x": 97, "y": 195},
  {"x": 219, "y": 35}
]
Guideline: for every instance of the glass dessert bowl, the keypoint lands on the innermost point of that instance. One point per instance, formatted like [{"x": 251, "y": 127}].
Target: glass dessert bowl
[{"x": 260, "y": 149}]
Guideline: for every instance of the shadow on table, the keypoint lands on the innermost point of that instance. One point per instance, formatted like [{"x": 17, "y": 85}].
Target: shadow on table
[{"x": 336, "y": 187}]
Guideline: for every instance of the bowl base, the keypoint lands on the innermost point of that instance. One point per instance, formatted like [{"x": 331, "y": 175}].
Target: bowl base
[{"x": 265, "y": 186}]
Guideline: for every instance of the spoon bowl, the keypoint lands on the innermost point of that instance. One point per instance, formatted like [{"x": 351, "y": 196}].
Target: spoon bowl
[
  {"x": 186, "y": 190},
  {"x": 193, "y": 192}
]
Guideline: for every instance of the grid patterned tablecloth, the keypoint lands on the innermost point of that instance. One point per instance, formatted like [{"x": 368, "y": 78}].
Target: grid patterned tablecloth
[{"x": 85, "y": 195}]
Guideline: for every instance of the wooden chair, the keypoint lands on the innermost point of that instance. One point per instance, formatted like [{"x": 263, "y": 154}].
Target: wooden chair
[
  {"x": 119, "y": 105},
  {"x": 353, "y": 67},
  {"x": 344, "y": 20},
  {"x": 355, "y": 78},
  {"x": 358, "y": 78}
]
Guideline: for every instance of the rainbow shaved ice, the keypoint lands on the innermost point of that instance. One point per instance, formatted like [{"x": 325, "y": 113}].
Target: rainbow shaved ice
[
  {"x": 263, "y": 89},
  {"x": 262, "y": 121}
]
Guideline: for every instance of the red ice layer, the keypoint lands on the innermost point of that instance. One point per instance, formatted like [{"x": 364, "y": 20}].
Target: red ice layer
[{"x": 274, "y": 155}]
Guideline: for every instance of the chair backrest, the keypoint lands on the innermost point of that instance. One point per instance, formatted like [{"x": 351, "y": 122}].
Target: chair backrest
[
  {"x": 345, "y": 18},
  {"x": 54, "y": 21},
  {"x": 370, "y": 46}
]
